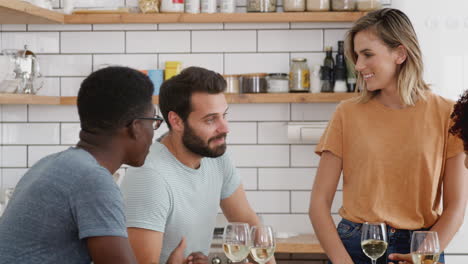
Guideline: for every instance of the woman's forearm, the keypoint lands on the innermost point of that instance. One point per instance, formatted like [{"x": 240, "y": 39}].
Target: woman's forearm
[{"x": 326, "y": 233}]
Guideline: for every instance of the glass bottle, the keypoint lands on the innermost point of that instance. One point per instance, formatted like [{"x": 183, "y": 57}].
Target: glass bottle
[
  {"x": 327, "y": 75},
  {"x": 315, "y": 83},
  {"x": 351, "y": 75},
  {"x": 340, "y": 70},
  {"x": 299, "y": 75}
]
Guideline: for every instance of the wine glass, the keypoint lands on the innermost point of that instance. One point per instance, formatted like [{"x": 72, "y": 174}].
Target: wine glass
[
  {"x": 425, "y": 247},
  {"x": 236, "y": 241},
  {"x": 374, "y": 240},
  {"x": 263, "y": 243}
]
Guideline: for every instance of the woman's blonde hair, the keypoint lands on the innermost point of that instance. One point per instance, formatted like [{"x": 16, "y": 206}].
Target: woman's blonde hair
[{"x": 393, "y": 28}]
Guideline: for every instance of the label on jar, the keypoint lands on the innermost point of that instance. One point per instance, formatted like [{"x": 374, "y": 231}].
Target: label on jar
[
  {"x": 305, "y": 79},
  {"x": 178, "y": 1}
]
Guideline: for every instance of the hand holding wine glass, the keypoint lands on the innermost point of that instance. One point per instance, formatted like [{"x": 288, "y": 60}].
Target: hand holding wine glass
[
  {"x": 236, "y": 241},
  {"x": 374, "y": 240},
  {"x": 425, "y": 247},
  {"x": 263, "y": 243}
]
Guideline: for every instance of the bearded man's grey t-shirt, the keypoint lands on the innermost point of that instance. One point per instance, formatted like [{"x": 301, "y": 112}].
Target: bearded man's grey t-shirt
[
  {"x": 166, "y": 196},
  {"x": 60, "y": 201}
]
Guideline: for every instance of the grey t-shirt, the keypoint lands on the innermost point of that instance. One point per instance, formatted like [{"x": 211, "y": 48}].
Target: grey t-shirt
[
  {"x": 166, "y": 196},
  {"x": 61, "y": 200}
]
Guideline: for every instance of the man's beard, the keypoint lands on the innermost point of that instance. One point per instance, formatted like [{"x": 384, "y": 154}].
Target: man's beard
[{"x": 196, "y": 145}]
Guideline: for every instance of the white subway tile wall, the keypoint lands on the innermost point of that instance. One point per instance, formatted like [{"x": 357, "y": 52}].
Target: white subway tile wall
[{"x": 277, "y": 175}]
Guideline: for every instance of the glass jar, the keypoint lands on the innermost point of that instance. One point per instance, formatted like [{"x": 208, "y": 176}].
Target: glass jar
[
  {"x": 232, "y": 83},
  {"x": 294, "y": 5},
  {"x": 278, "y": 83},
  {"x": 368, "y": 5},
  {"x": 254, "y": 83},
  {"x": 148, "y": 6},
  {"x": 318, "y": 5},
  {"x": 299, "y": 76},
  {"x": 172, "y": 6},
  {"x": 343, "y": 5},
  {"x": 261, "y": 5}
]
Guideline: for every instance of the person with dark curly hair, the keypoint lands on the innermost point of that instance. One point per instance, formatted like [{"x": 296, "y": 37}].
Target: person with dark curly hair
[
  {"x": 400, "y": 165},
  {"x": 67, "y": 207},
  {"x": 459, "y": 117}
]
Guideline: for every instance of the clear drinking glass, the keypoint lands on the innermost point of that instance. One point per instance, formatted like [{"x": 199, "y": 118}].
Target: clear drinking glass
[
  {"x": 236, "y": 241},
  {"x": 374, "y": 240},
  {"x": 425, "y": 247},
  {"x": 263, "y": 243}
]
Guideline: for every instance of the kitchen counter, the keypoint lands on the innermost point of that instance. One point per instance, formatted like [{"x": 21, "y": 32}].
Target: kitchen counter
[{"x": 303, "y": 243}]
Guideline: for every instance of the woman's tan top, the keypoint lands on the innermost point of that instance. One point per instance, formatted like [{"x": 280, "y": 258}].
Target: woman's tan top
[{"x": 393, "y": 159}]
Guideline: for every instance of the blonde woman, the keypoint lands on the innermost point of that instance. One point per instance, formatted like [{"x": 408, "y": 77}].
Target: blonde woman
[{"x": 392, "y": 144}]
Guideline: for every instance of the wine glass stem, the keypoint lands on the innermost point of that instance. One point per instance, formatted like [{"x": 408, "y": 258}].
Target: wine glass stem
[{"x": 374, "y": 261}]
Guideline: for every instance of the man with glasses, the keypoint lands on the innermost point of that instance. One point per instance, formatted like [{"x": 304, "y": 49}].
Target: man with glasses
[
  {"x": 67, "y": 208},
  {"x": 187, "y": 176}
]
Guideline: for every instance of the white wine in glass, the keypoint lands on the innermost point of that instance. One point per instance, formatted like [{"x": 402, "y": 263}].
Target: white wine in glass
[
  {"x": 425, "y": 247},
  {"x": 374, "y": 240},
  {"x": 236, "y": 241},
  {"x": 263, "y": 243}
]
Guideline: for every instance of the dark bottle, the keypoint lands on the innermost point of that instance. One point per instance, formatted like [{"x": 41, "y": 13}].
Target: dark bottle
[
  {"x": 326, "y": 72},
  {"x": 340, "y": 70}
]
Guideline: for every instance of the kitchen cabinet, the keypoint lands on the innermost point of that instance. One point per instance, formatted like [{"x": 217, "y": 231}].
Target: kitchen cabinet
[{"x": 231, "y": 98}]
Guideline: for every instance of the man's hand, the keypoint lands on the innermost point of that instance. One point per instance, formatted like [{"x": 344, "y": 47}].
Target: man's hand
[
  {"x": 400, "y": 258},
  {"x": 197, "y": 258},
  {"x": 177, "y": 255}
]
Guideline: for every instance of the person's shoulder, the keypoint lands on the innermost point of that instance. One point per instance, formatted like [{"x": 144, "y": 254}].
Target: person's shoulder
[
  {"x": 442, "y": 103},
  {"x": 347, "y": 105}
]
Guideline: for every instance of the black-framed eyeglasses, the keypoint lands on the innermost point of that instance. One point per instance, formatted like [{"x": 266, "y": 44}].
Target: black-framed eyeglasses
[{"x": 157, "y": 120}]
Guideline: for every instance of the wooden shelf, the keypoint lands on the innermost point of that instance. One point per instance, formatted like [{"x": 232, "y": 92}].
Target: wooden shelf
[
  {"x": 29, "y": 99},
  {"x": 213, "y": 18},
  {"x": 19, "y": 12},
  {"x": 287, "y": 98},
  {"x": 231, "y": 98}
]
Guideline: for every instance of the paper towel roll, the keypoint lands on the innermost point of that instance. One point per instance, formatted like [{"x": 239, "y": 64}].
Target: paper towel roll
[{"x": 305, "y": 132}]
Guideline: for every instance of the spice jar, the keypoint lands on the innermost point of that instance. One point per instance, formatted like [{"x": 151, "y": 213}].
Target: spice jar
[
  {"x": 294, "y": 5},
  {"x": 232, "y": 83},
  {"x": 254, "y": 83},
  {"x": 318, "y": 5},
  {"x": 368, "y": 5},
  {"x": 299, "y": 76},
  {"x": 261, "y": 5},
  {"x": 278, "y": 83},
  {"x": 192, "y": 6},
  {"x": 343, "y": 5}
]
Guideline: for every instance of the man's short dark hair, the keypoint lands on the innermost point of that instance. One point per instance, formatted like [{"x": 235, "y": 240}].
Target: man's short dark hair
[
  {"x": 112, "y": 97},
  {"x": 176, "y": 93}
]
